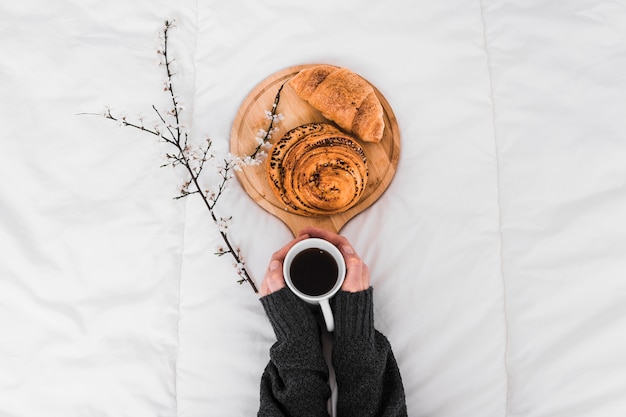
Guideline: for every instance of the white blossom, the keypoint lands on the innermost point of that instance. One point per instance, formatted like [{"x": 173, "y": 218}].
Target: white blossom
[
  {"x": 106, "y": 112},
  {"x": 276, "y": 118},
  {"x": 239, "y": 267},
  {"x": 223, "y": 224},
  {"x": 122, "y": 120},
  {"x": 260, "y": 157},
  {"x": 210, "y": 195}
]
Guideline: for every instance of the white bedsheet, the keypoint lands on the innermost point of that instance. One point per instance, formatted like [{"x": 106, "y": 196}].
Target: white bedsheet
[{"x": 498, "y": 253}]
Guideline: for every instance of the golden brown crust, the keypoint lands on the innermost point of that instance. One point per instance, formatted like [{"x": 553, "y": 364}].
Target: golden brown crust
[
  {"x": 343, "y": 97},
  {"x": 308, "y": 79},
  {"x": 365, "y": 125},
  {"x": 315, "y": 169}
]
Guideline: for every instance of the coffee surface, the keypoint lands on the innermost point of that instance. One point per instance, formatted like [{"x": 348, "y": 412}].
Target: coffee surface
[{"x": 314, "y": 271}]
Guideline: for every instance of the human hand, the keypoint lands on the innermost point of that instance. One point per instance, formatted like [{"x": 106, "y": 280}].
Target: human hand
[
  {"x": 357, "y": 273},
  {"x": 274, "y": 279}
]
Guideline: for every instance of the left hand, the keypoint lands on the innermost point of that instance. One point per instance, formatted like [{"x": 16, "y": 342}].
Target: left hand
[{"x": 274, "y": 279}]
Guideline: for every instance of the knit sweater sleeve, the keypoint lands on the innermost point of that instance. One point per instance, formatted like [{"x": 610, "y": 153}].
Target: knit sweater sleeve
[
  {"x": 295, "y": 381},
  {"x": 368, "y": 379}
]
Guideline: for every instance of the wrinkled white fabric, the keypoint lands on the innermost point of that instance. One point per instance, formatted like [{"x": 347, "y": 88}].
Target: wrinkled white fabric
[{"x": 497, "y": 253}]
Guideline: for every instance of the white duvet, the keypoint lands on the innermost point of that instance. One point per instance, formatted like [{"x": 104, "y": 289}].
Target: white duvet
[{"x": 498, "y": 253}]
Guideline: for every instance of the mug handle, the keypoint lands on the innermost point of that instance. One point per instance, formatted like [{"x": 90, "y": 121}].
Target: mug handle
[{"x": 328, "y": 315}]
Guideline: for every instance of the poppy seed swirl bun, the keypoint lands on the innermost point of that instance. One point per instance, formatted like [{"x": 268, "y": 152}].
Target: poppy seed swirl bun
[{"x": 315, "y": 169}]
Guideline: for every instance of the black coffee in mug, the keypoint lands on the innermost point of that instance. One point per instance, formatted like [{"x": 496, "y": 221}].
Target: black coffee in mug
[{"x": 314, "y": 272}]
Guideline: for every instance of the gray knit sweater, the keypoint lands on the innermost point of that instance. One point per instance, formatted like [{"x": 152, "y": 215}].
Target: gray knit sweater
[{"x": 295, "y": 382}]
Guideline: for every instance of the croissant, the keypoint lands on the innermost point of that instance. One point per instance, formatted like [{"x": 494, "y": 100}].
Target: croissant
[
  {"x": 315, "y": 169},
  {"x": 343, "y": 97}
]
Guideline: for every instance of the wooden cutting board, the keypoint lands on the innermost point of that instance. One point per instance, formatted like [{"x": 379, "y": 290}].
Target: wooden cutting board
[{"x": 382, "y": 157}]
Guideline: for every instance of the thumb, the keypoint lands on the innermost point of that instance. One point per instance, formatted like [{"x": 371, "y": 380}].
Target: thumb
[
  {"x": 354, "y": 270},
  {"x": 275, "y": 280}
]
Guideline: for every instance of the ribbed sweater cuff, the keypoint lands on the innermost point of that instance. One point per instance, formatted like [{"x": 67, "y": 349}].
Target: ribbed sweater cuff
[
  {"x": 354, "y": 315},
  {"x": 290, "y": 317}
]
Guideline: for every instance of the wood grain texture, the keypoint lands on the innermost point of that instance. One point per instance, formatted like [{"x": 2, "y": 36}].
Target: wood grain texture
[{"x": 382, "y": 157}]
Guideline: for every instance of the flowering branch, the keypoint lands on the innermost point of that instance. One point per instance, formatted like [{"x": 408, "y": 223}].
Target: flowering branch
[
  {"x": 264, "y": 136},
  {"x": 192, "y": 160}
]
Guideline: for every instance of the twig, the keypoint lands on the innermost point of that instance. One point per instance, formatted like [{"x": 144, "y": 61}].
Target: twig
[
  {"x": 272, "y": 115},
  {"x": 183, "y": 156}
]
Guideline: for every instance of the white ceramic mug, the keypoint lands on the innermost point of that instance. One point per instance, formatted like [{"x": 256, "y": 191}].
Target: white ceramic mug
[{"x": 312, "y": 280}]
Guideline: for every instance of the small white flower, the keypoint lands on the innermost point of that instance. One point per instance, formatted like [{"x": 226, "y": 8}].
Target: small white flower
[
  {"x": 210, "y": 195},
  {"x": 276, "y": 118},
  {"x": 260, "y": 157},
  {"x": 239, "y": 266},
  {"x": 231, "y": 159},
  {"x": 223, "y": 224},
  {"x": 250, "y": 161}
]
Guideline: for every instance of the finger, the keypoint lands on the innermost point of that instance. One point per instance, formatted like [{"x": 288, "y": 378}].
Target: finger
[
  {"x": 333, "y": 238},
  {"x": 275, "y": 281},
  {"x": 353, "y": 281},
  {"x": 357, "y": 274},
  {"x": 282, "y": 252},
  {"x": 365, "y": 277}
]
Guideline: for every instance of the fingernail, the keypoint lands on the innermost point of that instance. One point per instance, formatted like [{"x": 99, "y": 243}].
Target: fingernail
[
  {"x": 348, "y": 249},
  {"x": 274, "y": 265}
]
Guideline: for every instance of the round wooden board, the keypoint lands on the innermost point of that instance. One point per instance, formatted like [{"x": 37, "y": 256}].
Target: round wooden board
[{"x": 382, "y": 157}]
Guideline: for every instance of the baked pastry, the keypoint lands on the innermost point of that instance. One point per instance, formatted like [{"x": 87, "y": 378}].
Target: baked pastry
[
  {"x": 343, "y": 97},
  {"x": 315, "y": 169}
]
